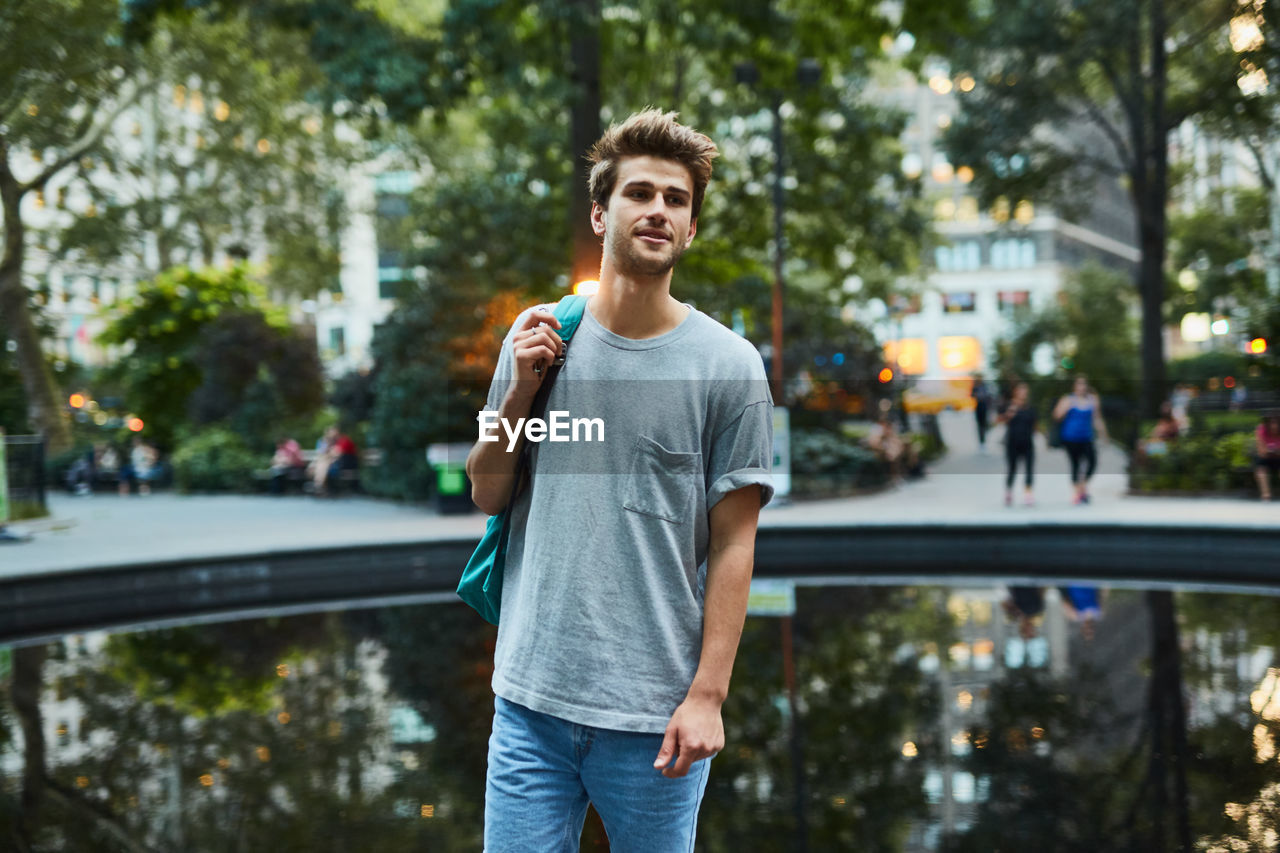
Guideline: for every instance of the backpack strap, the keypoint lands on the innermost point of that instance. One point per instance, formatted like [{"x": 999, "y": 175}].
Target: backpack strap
[{"x": 569, "y": 312}]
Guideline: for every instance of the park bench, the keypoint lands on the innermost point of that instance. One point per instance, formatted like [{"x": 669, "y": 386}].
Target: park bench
[{"x": 297, "y": 479}]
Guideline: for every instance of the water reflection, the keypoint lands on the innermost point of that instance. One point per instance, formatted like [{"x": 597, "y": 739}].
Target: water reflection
[{"x": 927, "y": 718}]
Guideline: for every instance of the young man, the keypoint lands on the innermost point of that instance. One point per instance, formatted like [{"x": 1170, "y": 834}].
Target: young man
[{"x": 630, "y": 559}]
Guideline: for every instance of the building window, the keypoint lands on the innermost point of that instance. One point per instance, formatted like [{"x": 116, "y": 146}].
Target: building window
[
  {"x": 901, "y": 303},
  {"x": 964, "y": 256},
  {"x": 1032, "y": 653},
  {"x": 959, "y": 301},
  {"x": 338, "y": 340},
  {"x": 392, "y": 206},
  {"x": 1013, "y": 254},
  {"x": 984, "y": 655},
  {"x": 392, "y": 282},
  {"x": 393, "y": 229},
  {"x": 961, "y": 353},
  {"x": 909, "y": 355},
  {"x": 1014, "y": 300},
  {"x": 963, "y": 787},
  {"x": 933, "y": 786}
]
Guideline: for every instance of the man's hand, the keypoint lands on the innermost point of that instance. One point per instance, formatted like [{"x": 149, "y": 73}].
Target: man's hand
[
  {"x": 695, "y": 732},
  {"x": 535, "y": 345}
]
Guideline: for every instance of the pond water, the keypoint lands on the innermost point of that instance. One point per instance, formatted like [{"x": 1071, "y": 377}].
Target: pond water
[{"x": 925, "y": 718}]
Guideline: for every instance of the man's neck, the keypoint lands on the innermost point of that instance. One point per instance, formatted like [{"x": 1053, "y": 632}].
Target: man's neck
[{"x": 636, "y": 308}]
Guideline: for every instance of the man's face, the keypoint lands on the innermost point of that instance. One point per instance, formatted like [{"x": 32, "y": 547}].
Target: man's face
[{"x": 648, "y": 224}]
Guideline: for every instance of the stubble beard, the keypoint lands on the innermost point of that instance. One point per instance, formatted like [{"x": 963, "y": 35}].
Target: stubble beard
[{"x": 631, "y": 262}]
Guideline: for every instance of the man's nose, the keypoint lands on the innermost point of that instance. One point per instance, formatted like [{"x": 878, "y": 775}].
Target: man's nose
[{"x": 657, "y": 209}]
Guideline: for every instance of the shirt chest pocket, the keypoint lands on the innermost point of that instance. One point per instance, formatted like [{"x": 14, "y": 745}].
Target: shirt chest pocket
[{"x": 661, "y": 482}]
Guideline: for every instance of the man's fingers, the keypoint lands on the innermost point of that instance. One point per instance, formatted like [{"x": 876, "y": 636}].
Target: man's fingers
[
  {"x": 683, "y": 762},
  {"x": 536, "y": 356},
  {"x": 538, "y": 316},
  {"x": 668, "y": 749},
  {"x": 542, "y": 335}
]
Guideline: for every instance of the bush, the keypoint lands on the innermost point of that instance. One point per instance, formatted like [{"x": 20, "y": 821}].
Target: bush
[
  {"x": 927, "y": 441},
  {"x": 214, "y": 460},
  {"x": 1198, "y": 463},
  {"x": 824, "y": 463}
]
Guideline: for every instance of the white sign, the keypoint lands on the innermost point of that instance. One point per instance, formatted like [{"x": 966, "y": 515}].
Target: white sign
[
  {"x": 4, "y": 485},
  {"x": 771, "y": 598},
  {"x": 781, "y": 452},
  {"x": 448, "y": 454}
]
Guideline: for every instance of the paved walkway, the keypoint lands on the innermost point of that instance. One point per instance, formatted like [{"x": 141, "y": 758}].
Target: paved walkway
[{"x": 965, "y": 488}]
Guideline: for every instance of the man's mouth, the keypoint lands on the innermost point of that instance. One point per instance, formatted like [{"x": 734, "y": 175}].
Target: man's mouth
[{"x": 653, "y": 236}]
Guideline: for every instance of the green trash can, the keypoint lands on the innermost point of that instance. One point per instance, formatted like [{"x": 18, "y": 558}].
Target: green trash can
[{"x": 453, "y": 488}]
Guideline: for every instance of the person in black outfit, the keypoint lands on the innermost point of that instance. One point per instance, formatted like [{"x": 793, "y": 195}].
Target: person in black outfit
[
  {"x": 1020, "y": 427},
  {"x": 981, "y": 403}
]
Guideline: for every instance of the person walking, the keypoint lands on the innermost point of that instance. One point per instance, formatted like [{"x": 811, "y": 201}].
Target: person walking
[
  {"x": 1267, "y": 450},
  {"x": 629, "y": 561},
  {"x": 981, "y": 394},
  {"x": 1019, "y": 419},
  {"x": 1080, "y": 416}
]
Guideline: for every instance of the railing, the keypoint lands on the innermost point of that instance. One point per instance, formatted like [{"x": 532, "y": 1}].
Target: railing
[
  {"x": 40, "y": 605},
  {"x": 24, "y": 469}
]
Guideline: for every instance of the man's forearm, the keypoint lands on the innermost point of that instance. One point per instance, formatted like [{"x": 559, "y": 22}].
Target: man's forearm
[
  {"x": 491, "y": 465},
  {"x": 724, "y": 612}
]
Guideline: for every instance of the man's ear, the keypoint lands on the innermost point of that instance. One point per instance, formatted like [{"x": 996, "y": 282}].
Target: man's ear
[
  {"x": 597, "y": 219},
  {"x": 693, "y": 229}
]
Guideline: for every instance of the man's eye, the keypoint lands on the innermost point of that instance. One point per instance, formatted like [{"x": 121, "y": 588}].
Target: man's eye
[{"x": 675, "y": 200}]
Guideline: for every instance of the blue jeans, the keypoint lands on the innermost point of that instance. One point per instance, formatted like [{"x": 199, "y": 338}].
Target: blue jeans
[{"x": 543, "y": 771}]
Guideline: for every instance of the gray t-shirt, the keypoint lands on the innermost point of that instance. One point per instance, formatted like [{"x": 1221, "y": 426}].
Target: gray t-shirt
[{"x": 606, "y": 566}]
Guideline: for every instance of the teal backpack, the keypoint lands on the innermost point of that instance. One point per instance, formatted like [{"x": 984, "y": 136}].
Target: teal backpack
[{"x": 481, "y": 583}]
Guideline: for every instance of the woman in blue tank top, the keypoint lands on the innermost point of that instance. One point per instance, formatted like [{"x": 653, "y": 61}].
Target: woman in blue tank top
[{"x": 1080, "y": 415}]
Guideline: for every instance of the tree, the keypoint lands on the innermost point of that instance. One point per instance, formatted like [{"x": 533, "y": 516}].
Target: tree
[
  {"x": 1091, "y": 331},
  {"x": 63, "y": 90},
  {"x": 508, "y": 88},
  {"x": 1070, "y": 95},
  {"x": 208, "y": 347},
  {"x": 231, "y": 150},
  {"x": 1213, "y": 250}
]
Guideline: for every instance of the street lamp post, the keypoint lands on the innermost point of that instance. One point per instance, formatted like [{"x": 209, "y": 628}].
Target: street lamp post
[{"x": 807, "y": 74}]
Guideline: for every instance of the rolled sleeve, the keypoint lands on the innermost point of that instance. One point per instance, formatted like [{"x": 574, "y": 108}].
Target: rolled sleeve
[{"x": 742, "y": 455}]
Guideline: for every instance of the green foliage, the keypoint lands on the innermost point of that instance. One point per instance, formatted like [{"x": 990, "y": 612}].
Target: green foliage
[
  {"x": 242, "y": 158},
  {"x": 68, "y": 96},
  {"x": 208, "y": 348},
  {"x": 215, "y": 460},
  {"x": 1198, "y": 463},
  {"x": 261, "y": 380},
  {"x": 1076, "y": 66},
  {"x": 435, "y": 357},
  {"x": 1092, "y": 327},
  {"x": 826, "y": 463},
  {"x": 928, "y": 445},
  {"x": 1214, "y": 241},
  {"x": 62, "y": 90},
  {"x": 1215, "y": 364},
  {"x": 196, "y": 672}
]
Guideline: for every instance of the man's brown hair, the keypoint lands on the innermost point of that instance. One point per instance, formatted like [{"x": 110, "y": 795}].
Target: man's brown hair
[{"x": 656, "y": 134}]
